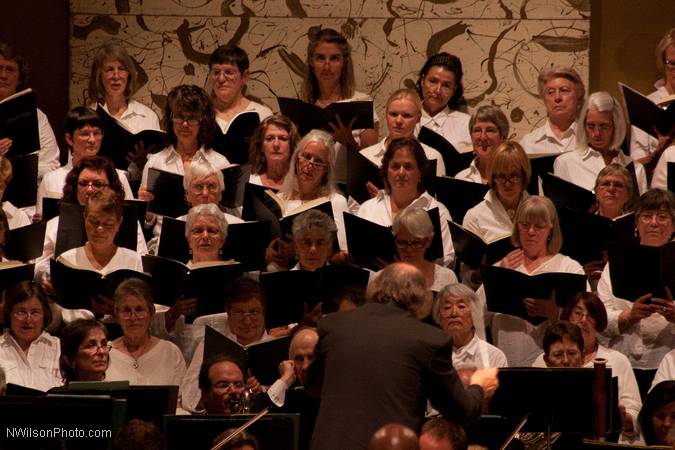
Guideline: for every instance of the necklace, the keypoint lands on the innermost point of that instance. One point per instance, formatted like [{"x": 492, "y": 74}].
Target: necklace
[{"x": 136, "y": 354}]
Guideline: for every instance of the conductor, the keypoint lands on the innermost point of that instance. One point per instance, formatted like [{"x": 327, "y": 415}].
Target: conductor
[{"x": 379, "y": 364}]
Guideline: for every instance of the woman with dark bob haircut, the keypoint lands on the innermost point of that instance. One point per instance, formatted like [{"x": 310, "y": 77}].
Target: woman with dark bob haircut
[
  {"x": 657, "y": 413},
  {"x": 189, "y": 121},
  {"x": 440, "y": 87},
  {"x": 84, "y": 351},
  {"x": 28, "y": 354}
]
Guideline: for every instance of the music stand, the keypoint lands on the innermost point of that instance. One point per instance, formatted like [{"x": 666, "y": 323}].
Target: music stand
[
  {"x": 148, "y": 403},
  {"x": 557, "y": 399},
  {"x": 277, "y": 431}
]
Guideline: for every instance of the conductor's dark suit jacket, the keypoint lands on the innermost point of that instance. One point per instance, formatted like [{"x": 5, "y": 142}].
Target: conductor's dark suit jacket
[{"x": 376, "y": 365}]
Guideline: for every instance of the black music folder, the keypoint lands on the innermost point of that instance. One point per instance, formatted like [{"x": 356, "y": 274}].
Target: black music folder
[
  {"x": 292, "y": 293},
  {"x": 77, "y": 287},
  {"x": 168, "y": 191},
  {"x": 234, "y": 144},
  {"x": 564, "y": 194},
  {"x": 235, "y": 177},
  {"x": 18, "y": 122},
  {"x": 25, "y": 243},
  {"x": 262, "y": 358},
  {"x": 207, "y": 282},
  {"x": 471, "y": 248},
  {"x": 645, "y": 114},
  {"x": 22, "y": 188},
  {"x": 586, "y": 236},
  {"x": 360, "y": 171},
  {"x": 636, "y": 270},
  {"x": 118, "y": 140},
  {"x": 454, "y": 160},
  {"x": 309, "y": 117},
  {"x": 505, "y": 289},
  {"x": 459, "y": 196}
]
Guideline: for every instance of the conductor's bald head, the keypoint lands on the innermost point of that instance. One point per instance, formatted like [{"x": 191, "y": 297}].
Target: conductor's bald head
[
  {"x": 394, "y": 436},
  {"x": 403, "y": 284}
]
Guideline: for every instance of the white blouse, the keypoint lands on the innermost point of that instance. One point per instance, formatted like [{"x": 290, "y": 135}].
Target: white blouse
[
  {"x": 161, "y": 365},
  {"x": 36, "y": 369}
]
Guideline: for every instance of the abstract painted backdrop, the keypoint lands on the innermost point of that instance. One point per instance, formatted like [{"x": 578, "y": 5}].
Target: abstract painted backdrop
[{"x": 502, "y": 44}]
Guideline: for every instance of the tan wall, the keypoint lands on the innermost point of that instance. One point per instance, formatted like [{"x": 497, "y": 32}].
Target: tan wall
[
  {"x": 503, "y": 44},
  {"x": 625, "y": 34}
]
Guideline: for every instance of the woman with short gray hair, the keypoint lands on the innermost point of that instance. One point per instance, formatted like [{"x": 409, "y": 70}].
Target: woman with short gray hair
[
  {"x": 602, "y": 131},
  {"x": 488, "y": 128},
  {"x": 413, "y": 233},
  {"x": 314, "y": 233},
  {"x": 453, "y": 311}
]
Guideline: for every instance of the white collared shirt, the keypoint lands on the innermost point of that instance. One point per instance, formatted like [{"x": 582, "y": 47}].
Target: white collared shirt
[
  {"x": 471, "y": 173},
  {"x": 544, "y": 140},
  {"x": 262, "y": 110},
  {"x": 170, "y": 161},
  {"x": 137, "y": 117},
  {"x": 452, "y": 125},
  {"x": 489, "y": 219},
  {"x": 37, "y": 369},
  {"x": 478, "y": 354},
  {"x": 378, "y": 210},
  {"x": 48, "y": 155},
  {"x": 582, "y": 168},
  {"x": 645, "y": 343},
  {"x": 375, "y": 152}
]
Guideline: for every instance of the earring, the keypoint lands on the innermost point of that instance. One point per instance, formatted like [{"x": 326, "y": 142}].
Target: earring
[{"x": 636, "y": 233}]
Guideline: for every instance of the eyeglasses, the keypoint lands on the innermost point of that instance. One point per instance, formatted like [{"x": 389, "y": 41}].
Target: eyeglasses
[
  {"x": 579, "y": 314},
  {"x": 603, "y": 127},
  {"x": 414, "y": 244},
  {"x": 126, "y": 314},
  {"x": 513, "y": 178},
  {"x": 97, "y": 134},
  {"x": 23, "y": 315},
  {"x": 192, "y": 122},
  {"x": 212, "y": 188},
  {"x": 94, "y": 347},
  {"x": 241, "y": 314},
  {"x": 661, "y": 217},
  {"x": 309, "y": 160},
  {"x": 669, "y": 63},
  {"x": 235, "y": 385},
  {"x": 95, "y": 184},
  {"x": 230, "y": 74},
  {"x": 486, "y": 130}
]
